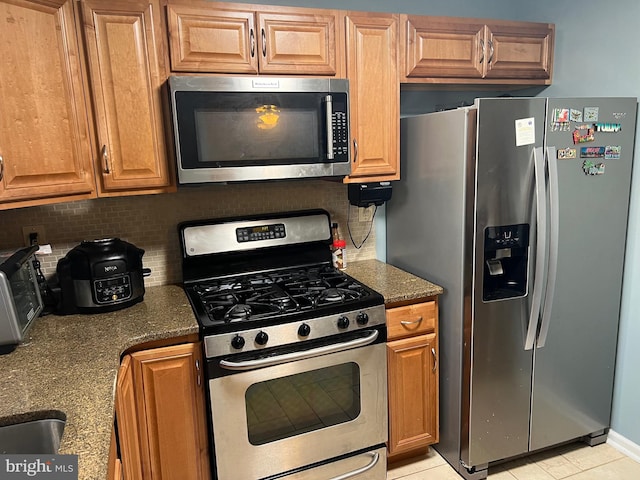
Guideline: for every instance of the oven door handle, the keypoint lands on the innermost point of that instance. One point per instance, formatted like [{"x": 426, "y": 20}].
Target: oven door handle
[
  {"x": 290, "y": 357},
  {"x": 374, "y": 460}
]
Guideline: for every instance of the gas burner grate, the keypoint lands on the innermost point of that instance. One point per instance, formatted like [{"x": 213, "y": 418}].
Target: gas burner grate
[{"x": 277, "y": 293}]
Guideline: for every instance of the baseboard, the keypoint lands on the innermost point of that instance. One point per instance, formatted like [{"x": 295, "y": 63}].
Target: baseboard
[{"x": 624, "y": 445}]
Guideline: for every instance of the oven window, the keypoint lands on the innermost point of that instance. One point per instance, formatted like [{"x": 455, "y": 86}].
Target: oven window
[{"x": 288, "y": 406}]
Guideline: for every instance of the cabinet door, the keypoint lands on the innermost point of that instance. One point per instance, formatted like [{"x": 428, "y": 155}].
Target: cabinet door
[
  {"x": 442, "y": 47},
  {"x": 210, "y": 40},
  {"x": 170, "y": 404},
  {"x": 519, "y": 50},
  {"x": 124, "y": 46},
  {"x": 372, "y": 70},
  {"x": 413, "y": 392},
  {"x": 298, "y": 43},
  {"x": 127, "y": 422},
  {"x": 44, "y": 130}
]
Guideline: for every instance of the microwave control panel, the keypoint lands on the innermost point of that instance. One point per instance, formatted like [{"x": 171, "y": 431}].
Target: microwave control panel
[{"x": 340, "y": 135}]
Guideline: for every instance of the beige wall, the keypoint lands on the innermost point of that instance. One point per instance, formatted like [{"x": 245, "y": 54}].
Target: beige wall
[{"x": 150, "y": 221}]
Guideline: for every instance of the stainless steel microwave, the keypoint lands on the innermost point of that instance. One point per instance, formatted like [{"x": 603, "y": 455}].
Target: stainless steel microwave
[
  {"x": 20, "y": 300},
  {"x": 234, "y": 129}
]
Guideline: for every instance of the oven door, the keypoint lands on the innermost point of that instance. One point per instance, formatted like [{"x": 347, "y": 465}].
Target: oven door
[{"x": 288, "y": 416}]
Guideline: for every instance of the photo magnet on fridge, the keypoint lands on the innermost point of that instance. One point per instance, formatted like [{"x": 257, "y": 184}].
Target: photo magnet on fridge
[
  {"x": 612, "y": 152},
  {"x": 591, "y": 114},
  {"x": 592, "y": 152},
  {"x": 566, "y": 153},
  {"x": 583, "y": 134}
]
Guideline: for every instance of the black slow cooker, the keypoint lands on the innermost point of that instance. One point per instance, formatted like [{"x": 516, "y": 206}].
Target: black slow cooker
[{"x": 100, "y": 276}]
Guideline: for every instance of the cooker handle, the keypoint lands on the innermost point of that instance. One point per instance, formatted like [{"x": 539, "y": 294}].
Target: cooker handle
[
  {"x": 289, "y": 357},
  {"x": 374, "y": 460},
  {"x": 146, "y": 272}
]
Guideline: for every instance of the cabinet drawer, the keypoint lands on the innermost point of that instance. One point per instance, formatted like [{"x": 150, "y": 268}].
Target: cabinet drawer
[{"x": 411, "y": 320}]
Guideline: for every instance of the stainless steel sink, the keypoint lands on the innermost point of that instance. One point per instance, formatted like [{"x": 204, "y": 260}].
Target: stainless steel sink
[{"x": 35, "y": 436}]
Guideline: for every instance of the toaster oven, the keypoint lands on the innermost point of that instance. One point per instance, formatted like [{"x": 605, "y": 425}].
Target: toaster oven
[{"x": 20, "y": 300}]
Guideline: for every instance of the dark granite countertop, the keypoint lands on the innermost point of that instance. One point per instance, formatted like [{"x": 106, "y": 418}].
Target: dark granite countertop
[
  {"x": 68, "y": 366},
  {"x": 395, "y": 285}
]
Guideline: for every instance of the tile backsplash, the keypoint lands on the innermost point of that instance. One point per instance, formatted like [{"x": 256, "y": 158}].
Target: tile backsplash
[{"x": 150, "y": 221}]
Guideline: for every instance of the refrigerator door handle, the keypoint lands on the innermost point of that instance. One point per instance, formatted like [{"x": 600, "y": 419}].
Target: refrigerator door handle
[
  {"x": 541, "y": 235},
  {"x": 554, "y": 227}
]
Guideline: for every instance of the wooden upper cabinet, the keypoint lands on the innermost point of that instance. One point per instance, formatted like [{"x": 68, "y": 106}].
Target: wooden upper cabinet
[
  {"x": 374, "y": 88},
  {"x": 519, "y": 50},
  {"x": 220, "y": 38},
  {"x": 442, "y": 47},
  {"x": 125, "y": 50},
  {"x": 463, "y": 50},
  {"x": 44, "y": 130}
]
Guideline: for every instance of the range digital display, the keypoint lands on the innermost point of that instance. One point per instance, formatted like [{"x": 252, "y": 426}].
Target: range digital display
[{"x": 261, "y": 232}]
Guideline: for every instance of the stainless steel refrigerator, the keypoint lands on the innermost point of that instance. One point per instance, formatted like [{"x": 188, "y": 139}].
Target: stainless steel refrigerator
[{"x": 518, "y": 208}]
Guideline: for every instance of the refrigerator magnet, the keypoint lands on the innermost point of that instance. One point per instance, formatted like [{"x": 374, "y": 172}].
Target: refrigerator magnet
[
  {"x": 591, "y": 168},
  {"x": 583, "y": 134},
  {"x": 591, "y": 114},
  {"x": 560, "y": 115},
  {"x": 612, "y": 152},
  {"x": 592, "y": 152},
  {"x": 566, "y": 153},
  {"x": 575, "y": 115},
  {"x": 607, "y": 127}
]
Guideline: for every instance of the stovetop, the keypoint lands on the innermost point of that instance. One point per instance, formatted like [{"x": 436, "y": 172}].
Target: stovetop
[{"x": 253, "y": 300}]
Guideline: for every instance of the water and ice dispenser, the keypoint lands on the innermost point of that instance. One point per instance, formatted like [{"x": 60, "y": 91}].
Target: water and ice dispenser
[{"x": 506, "y": 257}]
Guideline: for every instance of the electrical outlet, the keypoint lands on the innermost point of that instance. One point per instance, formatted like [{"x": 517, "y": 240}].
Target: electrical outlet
[
  {"x": 365, "y": 214},
  {"x": 36, "y": 233}
]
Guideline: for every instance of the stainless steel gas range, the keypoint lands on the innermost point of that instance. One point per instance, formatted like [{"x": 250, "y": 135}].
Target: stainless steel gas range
[{"x": 295, "y": 350}]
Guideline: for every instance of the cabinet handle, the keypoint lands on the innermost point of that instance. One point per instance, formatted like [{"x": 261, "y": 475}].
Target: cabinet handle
[
  {"x": 481, "y": 50},
  {"x": 1, "y": 167},
  {"x": 105, "y": 159},
  {"x": 264, "y": 44},
  {"x": 252, "y": 42},
  {"x": 198, "y": 377},
  {"x": 405, "y": 322},
  {"x": 355, "y": 150},
  {"x": 435, "y": 359},
  {"x": 491, "y": 50}
]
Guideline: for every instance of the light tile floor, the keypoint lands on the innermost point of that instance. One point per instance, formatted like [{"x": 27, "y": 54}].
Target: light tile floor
[{"x": 576, "y": 461}]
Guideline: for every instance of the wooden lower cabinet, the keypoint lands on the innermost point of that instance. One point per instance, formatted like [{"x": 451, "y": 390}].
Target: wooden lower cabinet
[
  {"x": 160, "y": 414},
  {"x": 412, "y": 361}
]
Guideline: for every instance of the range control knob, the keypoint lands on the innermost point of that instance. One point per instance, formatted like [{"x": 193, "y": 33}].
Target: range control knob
[
  {"x": 362, "y": 318},
  {"x": 304, "y": 330},
  {"x": 262, "y": 338},
  {"x": 237, "y": 342},
  {"x": 343, "y": 322}
]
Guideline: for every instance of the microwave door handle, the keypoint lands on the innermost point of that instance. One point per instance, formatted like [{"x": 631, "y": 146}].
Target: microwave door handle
[
  {"x": 329, "y": 103},
  {"x": 374, "y": 460},
  {"x": 294, "y": 356}
]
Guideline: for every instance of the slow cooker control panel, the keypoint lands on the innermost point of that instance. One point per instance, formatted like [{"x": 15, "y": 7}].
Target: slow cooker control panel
[{"x": 109, "y": 290}]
